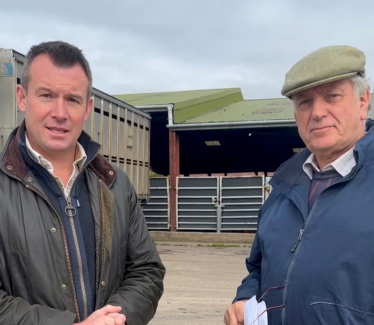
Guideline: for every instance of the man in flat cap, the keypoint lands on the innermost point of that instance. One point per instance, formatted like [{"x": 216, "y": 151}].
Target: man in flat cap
[{"x": 312, "y": 260}]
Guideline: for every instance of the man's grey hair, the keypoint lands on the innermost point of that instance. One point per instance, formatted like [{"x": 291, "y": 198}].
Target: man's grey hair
[
  {"x": 360, "y": 85},
  {"x": 62, "y": 55}
]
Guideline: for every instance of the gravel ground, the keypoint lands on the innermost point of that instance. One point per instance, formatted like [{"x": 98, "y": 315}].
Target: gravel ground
[{"x": 200, "y": 282}]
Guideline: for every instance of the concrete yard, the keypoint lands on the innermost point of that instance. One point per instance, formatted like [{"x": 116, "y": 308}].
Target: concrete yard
[{"x": 200, "y": 282}]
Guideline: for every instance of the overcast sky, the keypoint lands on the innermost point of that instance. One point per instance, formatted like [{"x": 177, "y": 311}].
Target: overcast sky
[{"x": 167, "y": 45}]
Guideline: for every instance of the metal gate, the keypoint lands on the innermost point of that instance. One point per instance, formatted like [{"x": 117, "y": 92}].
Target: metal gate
[
  {"x": 241, "y": 199},
  {"x": 156, "y": 210},
  {"x": 219, "y": 203},
  {"x": 197, "y": 198}
]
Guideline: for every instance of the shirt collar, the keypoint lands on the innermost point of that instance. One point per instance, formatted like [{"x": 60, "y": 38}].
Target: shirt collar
[
  {"x": 343, "y": 165},
  {"x": 79, "y": 160}
]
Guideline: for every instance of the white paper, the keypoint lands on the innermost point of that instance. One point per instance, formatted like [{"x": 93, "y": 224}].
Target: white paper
[
  {"x": 263, "y": 319},
  {"x": 252, "y": 310}
]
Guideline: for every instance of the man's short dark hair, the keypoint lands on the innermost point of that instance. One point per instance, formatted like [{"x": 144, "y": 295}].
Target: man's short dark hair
[{"x": 62, "y": 55}]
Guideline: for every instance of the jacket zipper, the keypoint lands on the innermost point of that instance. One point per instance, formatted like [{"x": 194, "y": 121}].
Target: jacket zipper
[
  {"x": 71, "y": 211},
  {"x": 298, "y": 240},
  {"x": 294, "y": 248}
]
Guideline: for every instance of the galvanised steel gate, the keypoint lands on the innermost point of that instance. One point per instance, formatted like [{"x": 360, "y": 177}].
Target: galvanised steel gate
[
  {"x": 241, "y": 199},
  {"x": 219, "y": 203},
  {"x": 156, "y": 210},
  {"x": 197, "y": 203}
]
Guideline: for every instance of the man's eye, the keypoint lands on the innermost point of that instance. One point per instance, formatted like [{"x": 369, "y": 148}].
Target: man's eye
[
  {"x": 46, "y": 95},
  {"x": 304, "y": 102},
  {"x": 72, "y": 100},
  {"x": 333, "y": 96}
]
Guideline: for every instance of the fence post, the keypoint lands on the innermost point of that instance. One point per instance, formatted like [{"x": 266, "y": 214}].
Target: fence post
[{"x": 174, "y": 173}]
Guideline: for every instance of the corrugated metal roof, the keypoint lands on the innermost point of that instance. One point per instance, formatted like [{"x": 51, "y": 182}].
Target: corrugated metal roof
[
  {"x": 179, "y": 99},
  {"x": 253, "y": 110},
  {"x": 217, "y": 106},
  {"x": 249, "y": 110},
  {"x": 187, "y": 104}
]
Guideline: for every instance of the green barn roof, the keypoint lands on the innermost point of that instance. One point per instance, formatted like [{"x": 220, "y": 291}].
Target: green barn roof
[
  {"x": 249, "y": 110},
  {"x": 218, "y": 108},
  {"x": 187, "y": 104}
]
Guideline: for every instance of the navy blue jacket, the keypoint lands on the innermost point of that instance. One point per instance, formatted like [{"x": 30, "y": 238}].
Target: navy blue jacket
[{"x": 324, "y": 274}]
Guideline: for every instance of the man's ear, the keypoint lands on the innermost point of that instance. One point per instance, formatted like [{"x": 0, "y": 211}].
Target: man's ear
[
  {"x": 295, "y": 116},
  {"x": 364, "y": 104},
  {"x": 21, "y": 98},
  {"x": 89, "y": 106}
]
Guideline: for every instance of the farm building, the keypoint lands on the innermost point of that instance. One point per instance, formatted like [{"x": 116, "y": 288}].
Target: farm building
[{"x": 216, "y": 150}]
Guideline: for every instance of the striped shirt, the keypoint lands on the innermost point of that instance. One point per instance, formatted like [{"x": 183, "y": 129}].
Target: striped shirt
[
  {"x": 343, "y": 165},
  {"x": 80, "y": 159}
]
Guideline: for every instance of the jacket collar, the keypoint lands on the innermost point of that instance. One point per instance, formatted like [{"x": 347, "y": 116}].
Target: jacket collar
[
  {"x": 291, "y": 180},
  {"x": 13, "y": 163},
  {"x": 289, "y": 172}
]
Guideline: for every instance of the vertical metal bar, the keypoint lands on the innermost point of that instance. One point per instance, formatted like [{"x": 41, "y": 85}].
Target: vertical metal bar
[
  {"x": 147, "y": 170},
  {"x": 117, "y": 135},
  {"x": 138, "y": 157},
  {"x": 92, "y": 119},
  {"x": 219, "y": 203},
  {"x": 15, "y": 121},
  {"x": 125, "y": 135},
  {"x": 168, "y": 200},
  {"x": 101, "y": 124},
  {"x": 131, "y": 171},
  {"x": 219, "y": 216},
  {"x": 110, "y": 132},
  {"x": 143, "y": 171}
]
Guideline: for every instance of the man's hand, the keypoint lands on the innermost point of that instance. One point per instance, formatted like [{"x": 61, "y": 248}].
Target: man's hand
[
  {"x": 108, "y": 315},
  {"x": 234, "y": 313}
]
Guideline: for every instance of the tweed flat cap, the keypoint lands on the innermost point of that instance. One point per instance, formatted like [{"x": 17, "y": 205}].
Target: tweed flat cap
[{"x": 327, "y": 64}]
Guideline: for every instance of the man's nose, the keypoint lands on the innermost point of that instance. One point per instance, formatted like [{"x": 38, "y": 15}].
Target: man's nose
[
  {"x": 319, "y": 109},
  {"x": 59, "y": 110}
]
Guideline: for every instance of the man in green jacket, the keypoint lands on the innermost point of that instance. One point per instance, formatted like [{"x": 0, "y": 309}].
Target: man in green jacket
[{"x": 74, "y": 245}]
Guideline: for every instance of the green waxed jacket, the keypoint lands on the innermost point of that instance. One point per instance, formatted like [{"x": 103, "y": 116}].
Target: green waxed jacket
[{"x": 36, "y": 284}]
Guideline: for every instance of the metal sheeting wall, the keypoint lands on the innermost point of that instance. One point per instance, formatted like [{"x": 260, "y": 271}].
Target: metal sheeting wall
[
  {"x": 241, "y": 199},
  {"x": 196, "y": 203},
  {"x": 156, "y": 210},
  {"x": 8, "y": 81},
  {"x": 219, "y": 203},
  {"x": 124, "y": 137}
]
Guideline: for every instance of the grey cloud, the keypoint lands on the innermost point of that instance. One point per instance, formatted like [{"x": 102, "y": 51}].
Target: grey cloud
[{"x": 143, "y": 46}]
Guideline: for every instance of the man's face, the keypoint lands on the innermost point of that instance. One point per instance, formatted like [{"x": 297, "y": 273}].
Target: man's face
[
  {"x": 330, "y": 118},
  {"x": 55, "y": 106}
]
